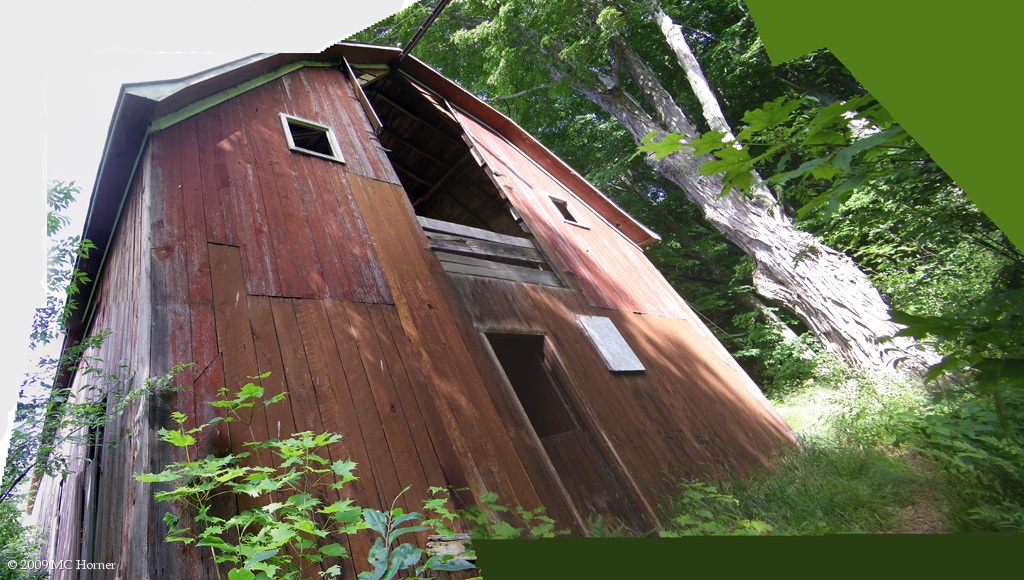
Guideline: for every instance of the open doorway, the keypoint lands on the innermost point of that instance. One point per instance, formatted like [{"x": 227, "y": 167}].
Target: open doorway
[{"x": 536, "y": 381}]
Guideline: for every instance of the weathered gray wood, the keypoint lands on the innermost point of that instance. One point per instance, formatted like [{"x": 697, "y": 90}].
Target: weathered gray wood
[
  {"x": 448, "y": 546},
  {"x": 456, "y": 264},
  {"x": 477, "y": 233},
  {"x": 371, "y": 115},
  {"x": 483, "y": 248}
]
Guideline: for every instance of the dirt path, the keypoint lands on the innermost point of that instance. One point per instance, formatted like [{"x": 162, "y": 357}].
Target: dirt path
[{"x": 924, "y": 516}]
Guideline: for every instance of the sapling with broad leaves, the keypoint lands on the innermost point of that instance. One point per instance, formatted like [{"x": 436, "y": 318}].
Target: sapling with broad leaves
[{"x": 290, "y": 531}]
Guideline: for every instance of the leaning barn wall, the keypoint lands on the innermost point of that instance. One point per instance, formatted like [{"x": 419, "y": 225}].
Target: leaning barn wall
[{"x": 693, "y": 410}]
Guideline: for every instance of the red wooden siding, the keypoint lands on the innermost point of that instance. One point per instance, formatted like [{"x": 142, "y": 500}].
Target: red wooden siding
[
  {"x": 479, "y": 448},
  {"x": 688, "y": 413},
  {"x": 692, "y": 410},
  {"x": 292, "y": 215},
  {"x": 610, "y": 270}
]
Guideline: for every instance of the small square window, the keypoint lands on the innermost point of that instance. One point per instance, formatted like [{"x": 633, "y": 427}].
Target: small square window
[
  {"x": 311, "y": 138},
  {"x": 563, "y": 208}
]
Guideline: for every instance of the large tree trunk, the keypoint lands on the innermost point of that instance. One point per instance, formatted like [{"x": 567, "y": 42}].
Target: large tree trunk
[
  {"x": 821, "y": 286},
  {"x": 673, "y": 34}
]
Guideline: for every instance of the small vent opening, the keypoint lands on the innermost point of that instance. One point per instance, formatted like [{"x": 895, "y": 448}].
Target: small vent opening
[{"x": 563, "y": 208}]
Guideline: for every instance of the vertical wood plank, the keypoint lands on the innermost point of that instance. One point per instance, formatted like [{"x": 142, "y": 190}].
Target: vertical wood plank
[
  {"x": 277, "y": 209},
  {"x": 170, "y": 322},
  {"x": 214, "y": 148},
  {"x": 242, "y": 199},
  {"x": 196, "y": 271},
  {"x": 280, "y": 421},
  {"x": 386, "y": 324},
  {"x": 489, "y": 457},
  {"x": 361, "y": 413},
  {"x": 332, "y": 98},
  {"x": 235, "y": 341},
  {"x": 390, "y": 410}
]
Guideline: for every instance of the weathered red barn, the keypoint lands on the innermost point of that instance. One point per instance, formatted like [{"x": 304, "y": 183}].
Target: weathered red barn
[{"x": 416, "y": 272}]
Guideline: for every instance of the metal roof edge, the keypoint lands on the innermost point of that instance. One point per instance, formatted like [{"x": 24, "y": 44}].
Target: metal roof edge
[{"x": 159, "y": 90}]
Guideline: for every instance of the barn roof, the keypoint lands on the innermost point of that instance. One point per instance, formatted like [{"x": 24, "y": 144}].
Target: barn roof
[{"x": 146, "y": 107}]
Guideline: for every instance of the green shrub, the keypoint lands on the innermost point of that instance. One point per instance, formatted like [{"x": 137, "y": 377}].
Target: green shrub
[
  {"x": 288, "y": 530},
  {"x": 782, "y": 365},
  {"x": 978, "y": 441},
  {"x": 845, "y": 477},
  {"x": 18, "y": 542},
  {"x": 701, "y": 510},
  {"x": 871, "y": 410}
]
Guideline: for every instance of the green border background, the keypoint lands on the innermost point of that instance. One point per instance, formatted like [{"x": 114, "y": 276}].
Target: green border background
[
  {"x": 948, "y": 71},
  {"x": 824, "y": 557}
]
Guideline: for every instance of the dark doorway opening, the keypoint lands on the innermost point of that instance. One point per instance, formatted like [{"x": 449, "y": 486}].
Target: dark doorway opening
[{"x": 537, "y": 382}]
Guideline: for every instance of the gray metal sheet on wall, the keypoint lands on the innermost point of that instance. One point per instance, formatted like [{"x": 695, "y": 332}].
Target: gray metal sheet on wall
[{"x": 609, "y": 343}]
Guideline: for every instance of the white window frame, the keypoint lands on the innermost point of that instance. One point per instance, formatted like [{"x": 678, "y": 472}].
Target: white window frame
[{"x": 287, "y": 119}]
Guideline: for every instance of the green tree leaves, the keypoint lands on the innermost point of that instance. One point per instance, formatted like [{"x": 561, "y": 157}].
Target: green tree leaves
[{"x": 285, "y": 535}]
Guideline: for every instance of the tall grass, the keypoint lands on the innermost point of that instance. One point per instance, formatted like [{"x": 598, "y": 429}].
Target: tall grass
[
  {"x": 848, "y": 474},
  {"x": 876, "y": 455}
]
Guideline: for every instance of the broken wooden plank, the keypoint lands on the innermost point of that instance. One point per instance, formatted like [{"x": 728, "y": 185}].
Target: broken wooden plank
[
  {"x": 470, "y": 232},
  {"x": 371, "y": 115},
  {"x": 457, "y": 264},
  {"x": 445, "y": 242}
]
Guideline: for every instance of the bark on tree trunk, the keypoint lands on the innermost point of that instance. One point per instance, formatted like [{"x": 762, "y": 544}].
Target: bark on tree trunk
[
  {"x": 749, "y": 301},
  {"x": 821, "y": 286},
  {"x": 713, "y": 114},
  {"x": 673, "y": 34}
]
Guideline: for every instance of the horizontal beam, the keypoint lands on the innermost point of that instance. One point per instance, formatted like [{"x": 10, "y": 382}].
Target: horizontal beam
[
  {"x": 433, "y": 225},
  {"x": 484, "y": 249},
  {"x": 456, "y": 264}
]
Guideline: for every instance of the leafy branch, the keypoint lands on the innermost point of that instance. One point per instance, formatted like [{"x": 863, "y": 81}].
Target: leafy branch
[
  {"x": 823, "y": 153},
  {"x": 51, "y": 413},
  {"x": 288, "y": 531}
]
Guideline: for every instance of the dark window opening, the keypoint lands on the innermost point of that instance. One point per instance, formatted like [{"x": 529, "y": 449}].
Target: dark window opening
[
  {"x": 563, "y": 208},
  {"x": 311, "y": 138},
  {"x": 470, "y": 225},
  {"x": 425, "y": 145}
]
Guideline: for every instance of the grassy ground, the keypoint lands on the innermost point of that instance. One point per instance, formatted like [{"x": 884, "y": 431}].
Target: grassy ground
[{"x": 848, "y": 475}]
